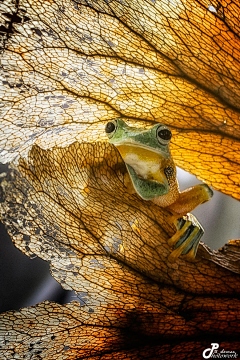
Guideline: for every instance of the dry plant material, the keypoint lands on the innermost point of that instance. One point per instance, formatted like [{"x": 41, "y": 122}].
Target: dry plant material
[
  {"x": 69, "y": 206},
  {"x": 68, "y": 67}
]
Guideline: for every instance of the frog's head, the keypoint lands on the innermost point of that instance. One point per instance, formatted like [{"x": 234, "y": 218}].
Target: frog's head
[
  {"x": 125, "y": 138},
  {"x": 145, "y": 151}
]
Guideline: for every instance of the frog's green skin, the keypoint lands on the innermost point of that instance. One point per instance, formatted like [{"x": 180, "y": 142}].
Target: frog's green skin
[{"x": 152, "y": 175}]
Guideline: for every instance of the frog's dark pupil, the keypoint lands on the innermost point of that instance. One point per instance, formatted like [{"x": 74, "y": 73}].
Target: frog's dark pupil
[
  {"x": 165, "y": 134},
  {"x": 110, "y": 127}
]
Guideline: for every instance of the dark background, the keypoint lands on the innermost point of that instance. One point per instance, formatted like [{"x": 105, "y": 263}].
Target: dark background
[{"x": 24, "y": 281}]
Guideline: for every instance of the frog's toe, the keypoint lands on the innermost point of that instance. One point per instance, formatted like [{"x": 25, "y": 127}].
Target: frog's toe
[{"x": 187, "y": 237}]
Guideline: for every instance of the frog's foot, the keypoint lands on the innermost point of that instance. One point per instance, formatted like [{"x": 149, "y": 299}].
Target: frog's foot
[{"x": 187, "y": 237}]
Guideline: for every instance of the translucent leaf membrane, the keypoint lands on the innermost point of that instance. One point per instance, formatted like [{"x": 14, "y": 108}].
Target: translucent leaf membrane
[
  {"x": 51, "y": 331},
  {"x": 69, "y": 206},
  {"x": 221, "y": 157},
  {"x": 69, "y": 67}
]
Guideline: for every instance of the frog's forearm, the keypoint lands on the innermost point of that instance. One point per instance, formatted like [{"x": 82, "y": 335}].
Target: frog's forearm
[
  {"x": 190, "y": 198},
  {"x": 147, "y": 189}
]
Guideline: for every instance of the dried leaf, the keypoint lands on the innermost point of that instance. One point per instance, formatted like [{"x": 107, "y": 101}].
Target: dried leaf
[
  {"x": 70, "y": 207},
  {"x": 70, "y": 66},
  {"x": 52, "y": 331}
]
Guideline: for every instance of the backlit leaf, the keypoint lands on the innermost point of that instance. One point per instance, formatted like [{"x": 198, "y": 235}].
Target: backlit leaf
[
  {"x": 69, "y": 206},
  {"x": 69, "y": 66},
  {"x": 51, "y": 331}
]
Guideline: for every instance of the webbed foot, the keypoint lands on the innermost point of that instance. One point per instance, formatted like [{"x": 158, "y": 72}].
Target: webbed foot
[{"x": 187, "y": 237}]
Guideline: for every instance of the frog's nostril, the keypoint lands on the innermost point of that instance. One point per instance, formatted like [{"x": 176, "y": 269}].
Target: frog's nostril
[{"x": 110, "y": 127}]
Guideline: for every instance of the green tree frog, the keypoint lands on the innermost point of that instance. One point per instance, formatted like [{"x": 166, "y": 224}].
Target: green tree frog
[{"x": 151, "y": 173}]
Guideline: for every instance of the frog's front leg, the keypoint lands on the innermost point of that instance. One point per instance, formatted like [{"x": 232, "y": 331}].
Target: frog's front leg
[
  {"x": 190, "y": 198},
  {"x": 189, "y": 230}
]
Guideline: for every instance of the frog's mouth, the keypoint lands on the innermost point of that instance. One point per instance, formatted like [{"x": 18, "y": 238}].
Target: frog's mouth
[
  {"x": 135, "y": 147},
  {"x": 147, "y": 164}
]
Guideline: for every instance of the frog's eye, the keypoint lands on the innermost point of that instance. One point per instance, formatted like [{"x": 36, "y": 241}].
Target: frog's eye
[
  {"x": 163, "y": 134},
  {"x": 111, "y": 128}
]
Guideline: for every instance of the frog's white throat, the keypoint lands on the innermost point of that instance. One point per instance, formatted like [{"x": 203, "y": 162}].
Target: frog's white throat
[{"x": 142, "y": 167}]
